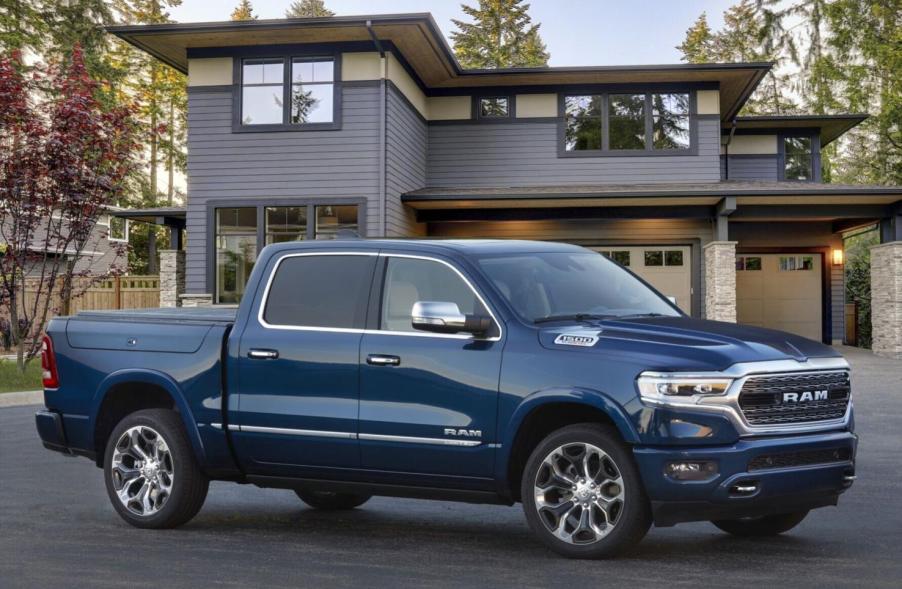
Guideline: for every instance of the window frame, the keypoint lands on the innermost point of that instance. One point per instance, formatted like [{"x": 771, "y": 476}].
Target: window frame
[
  {"x": 261, "y": 205},
  {"x": 814, "y": 136},
  {"x": 287, "y": 58},
  {"x": 649, "y": 149},
  {"x": 109, "y": 226},
  {"x": 511, "y": 108}
]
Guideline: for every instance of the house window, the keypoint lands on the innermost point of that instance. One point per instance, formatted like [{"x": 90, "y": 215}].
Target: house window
[
  {"x": 262, "y": 91},
  {"x": 670, "y": 121},
  {"x": 236, "y": 251},
  {"x": 798, "y": 158},
  {"x": 582, "y": 123},
  {"x": 286, "y": 224},
  {"x": 118, "y": 229},
  {"x": 497, "y": 107},
  {"x": 307, "y": 99},
  {"x": 622, "y": 257},
  {"x": 238, "y": 237},
  {"x": 663, "y": 258},
  {"x": 626, "y": 123},
  {"x": 312, "y": 91},
  {"x": 748, "y": 264}
]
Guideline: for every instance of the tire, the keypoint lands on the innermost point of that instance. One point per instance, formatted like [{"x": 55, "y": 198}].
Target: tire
[
  {"x": 617, "y": 486},
  {"x": 332, "y": 501},
  {"x": 768, "y": 525},
  {"x": 151, "y": 449}
]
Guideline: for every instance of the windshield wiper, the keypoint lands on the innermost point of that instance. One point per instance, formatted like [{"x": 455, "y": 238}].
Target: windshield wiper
[
  {"x": 571, "y": 317},
  {"x": 640, "y": 315}
]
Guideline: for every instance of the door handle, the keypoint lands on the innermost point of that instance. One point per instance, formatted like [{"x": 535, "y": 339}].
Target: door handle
[
  {"x": 383, "y": 360},
  {"x": 263, "y": 354}
]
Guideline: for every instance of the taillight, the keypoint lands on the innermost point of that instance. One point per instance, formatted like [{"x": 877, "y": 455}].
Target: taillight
[{"x": 48, "y": 364}]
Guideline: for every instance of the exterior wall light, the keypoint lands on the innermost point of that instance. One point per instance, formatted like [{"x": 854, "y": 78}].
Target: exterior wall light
[{"x": 837, "y": 257}]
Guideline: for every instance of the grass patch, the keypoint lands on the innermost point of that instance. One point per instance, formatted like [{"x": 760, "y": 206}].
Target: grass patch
[{"x": 11, "y": 380}]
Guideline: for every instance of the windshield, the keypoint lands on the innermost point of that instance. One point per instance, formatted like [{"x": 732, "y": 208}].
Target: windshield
[{"x": 571, "y": 286}]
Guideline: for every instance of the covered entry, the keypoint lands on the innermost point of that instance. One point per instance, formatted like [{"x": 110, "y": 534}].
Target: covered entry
[
  {"x": 781, "y": 291},
  {"x": 667, "y": 268}
]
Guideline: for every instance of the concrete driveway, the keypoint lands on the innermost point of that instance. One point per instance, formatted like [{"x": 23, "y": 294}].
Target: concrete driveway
[{"x": 57, "y": 529}]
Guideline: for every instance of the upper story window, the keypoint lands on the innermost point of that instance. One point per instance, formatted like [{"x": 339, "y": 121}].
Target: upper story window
[
  {"x": 493, "y": 107},
  {"x": 621, "y": 122},
  {"x": 118, "y": 229},
  {"x": 281, "y": 91},
  {"x": 798, "y": 158}
]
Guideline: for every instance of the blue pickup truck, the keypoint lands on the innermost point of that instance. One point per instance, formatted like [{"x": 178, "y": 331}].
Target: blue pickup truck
[{"x": 480, "y": 371}]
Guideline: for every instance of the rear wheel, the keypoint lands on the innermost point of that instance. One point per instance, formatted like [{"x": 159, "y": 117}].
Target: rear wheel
[
  {"x": 331, "y": 500},
  {"x": 769, "y": 525},
  {"x": 152, "y": 478},
  {"x": 582, "y": 494}
]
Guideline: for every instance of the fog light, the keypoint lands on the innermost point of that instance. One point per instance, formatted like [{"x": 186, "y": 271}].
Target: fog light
[{"x": 694, "y": 470}]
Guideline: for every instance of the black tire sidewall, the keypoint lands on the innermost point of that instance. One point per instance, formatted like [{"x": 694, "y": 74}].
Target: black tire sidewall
[
  {"x": 185, "y": 471},
  {"x": 635, "y": 518}
]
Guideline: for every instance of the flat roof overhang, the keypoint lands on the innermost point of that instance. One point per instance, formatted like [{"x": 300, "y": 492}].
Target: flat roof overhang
[
  {"x": 421, "y": 44},
  {"x": 168, "y": 216},
  {"x": 831, "y": 126}
]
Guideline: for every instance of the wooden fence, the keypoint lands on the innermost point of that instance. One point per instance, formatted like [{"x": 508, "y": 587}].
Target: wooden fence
[{"x": 120, "y": 292}]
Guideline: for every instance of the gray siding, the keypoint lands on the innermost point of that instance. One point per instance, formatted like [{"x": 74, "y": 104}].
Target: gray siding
[
  {"x": 694, "y": 232},
  {"x": 406, "y": 137},
  {"x": 749, "y": 167},
  {"x": 526, "y": 154},
  {"x": 223, "y": 165}
]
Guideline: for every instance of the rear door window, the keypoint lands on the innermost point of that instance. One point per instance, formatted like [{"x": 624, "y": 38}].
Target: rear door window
[{"x": 323, "y": 291}]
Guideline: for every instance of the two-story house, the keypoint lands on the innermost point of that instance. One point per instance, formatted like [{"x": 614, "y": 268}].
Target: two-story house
[{"x": 303, "y": 128}]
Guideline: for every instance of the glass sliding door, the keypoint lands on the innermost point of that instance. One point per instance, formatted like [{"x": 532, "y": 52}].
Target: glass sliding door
[
  {"x": 236, "y": 251},
  {"x": 333, "y": 221}
]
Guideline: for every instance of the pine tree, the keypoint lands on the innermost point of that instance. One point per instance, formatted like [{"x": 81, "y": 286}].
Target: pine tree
[
  {"x": 308, "y": 9},
  {"x": 501, "y": 36},
  {"x": 244, "y": 11},
  {"x": 697, "y": 47}
]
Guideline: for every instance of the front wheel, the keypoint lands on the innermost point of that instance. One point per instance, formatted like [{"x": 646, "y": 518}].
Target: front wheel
[
  {"x": 331, "y": 500},
  {"x": 582, "y": 494},
  {"x": 768, "y": 525},
  {"x": 151, "y": 475}
]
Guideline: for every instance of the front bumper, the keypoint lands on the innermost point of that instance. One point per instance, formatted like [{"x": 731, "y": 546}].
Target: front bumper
[{"x": 777, "y": 489}]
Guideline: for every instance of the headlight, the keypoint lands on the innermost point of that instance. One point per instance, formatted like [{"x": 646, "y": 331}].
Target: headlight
[{"x": 676, "y": 389}]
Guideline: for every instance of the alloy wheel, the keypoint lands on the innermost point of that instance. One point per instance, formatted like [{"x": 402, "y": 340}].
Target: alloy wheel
[
  {"x": 142, "y": 470},
  {"x": 579, "y": 493}
]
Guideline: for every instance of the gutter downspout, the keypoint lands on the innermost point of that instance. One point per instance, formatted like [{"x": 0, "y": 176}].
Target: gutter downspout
[
  {"x": 383, "y": 122},
  {"x": 726, "y": 149}
]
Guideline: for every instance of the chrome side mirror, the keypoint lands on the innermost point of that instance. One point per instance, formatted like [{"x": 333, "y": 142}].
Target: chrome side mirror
[{"x": 445, "y": 317}]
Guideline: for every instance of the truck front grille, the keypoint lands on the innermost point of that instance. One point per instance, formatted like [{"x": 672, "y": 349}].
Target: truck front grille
[
  {"x": 778, "y": 399},
  {"x": 804, "y": 458}
]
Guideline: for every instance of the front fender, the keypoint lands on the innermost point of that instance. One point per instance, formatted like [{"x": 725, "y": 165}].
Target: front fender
[
  {"x": 579, "y": 396},
  {"x": 157, "y": 378}
]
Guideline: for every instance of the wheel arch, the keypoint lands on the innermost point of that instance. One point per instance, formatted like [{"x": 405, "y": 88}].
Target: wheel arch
[
  {"x": 545, "y": 411},
  {"x": 125, "y": 391}
]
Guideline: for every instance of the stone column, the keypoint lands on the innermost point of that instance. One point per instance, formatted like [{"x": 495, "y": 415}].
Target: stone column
[
  {"x": 720, "y": 281},
  {"x": 886, "y": 299},
  {"x": 172, "y": 277},
  {"x": 196, "y": 300}
]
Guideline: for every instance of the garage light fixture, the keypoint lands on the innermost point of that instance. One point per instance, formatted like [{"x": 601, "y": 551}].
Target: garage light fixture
[{"x": 837, "y": 257}]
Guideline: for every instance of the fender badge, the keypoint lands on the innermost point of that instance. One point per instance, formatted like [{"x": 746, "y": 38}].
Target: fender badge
[{"x": 573, "y": 339}]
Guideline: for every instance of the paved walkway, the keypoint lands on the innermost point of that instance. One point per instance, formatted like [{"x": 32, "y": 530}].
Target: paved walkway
[{"x": 21, "y": 398}]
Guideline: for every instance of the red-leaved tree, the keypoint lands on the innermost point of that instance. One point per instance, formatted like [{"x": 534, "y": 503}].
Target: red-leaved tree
[{"x": 64, "y": 158}]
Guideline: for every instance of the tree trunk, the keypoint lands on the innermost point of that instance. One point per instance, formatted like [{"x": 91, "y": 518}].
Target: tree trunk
[
  {"x": 170, "y": 163},
  {"x": 154, "y": 157}
]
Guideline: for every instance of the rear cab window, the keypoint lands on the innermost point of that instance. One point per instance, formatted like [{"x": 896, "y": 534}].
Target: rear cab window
[{"x": 322, "y": 290}]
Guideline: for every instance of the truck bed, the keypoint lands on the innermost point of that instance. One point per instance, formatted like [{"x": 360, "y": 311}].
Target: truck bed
[{"x": 212, "y": 315}]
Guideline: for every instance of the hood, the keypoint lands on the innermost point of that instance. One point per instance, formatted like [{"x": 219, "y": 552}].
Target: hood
[{"x": 680, "y": 344}]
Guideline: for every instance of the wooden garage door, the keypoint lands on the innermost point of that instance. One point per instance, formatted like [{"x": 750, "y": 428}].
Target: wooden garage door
[
  {"x": 667, "y": 268},
  {"x": 780, "y": 291}
]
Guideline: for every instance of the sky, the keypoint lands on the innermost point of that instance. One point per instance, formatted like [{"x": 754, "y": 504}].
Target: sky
[{"x": 577, "y": 32}]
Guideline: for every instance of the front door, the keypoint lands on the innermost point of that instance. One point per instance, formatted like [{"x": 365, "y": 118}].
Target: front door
[
  {"x": 428, "y": 402},
  {"x": 297, "y": 370}
]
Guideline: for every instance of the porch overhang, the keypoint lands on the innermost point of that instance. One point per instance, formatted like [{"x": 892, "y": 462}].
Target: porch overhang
[{"x": 753, "y": 201}]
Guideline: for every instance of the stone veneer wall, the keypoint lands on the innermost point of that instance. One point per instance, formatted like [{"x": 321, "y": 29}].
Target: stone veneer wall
[
  {"x": 720, "y": 281},
  {"x": 172, "y": 277},
  {"x": 886, "y": 299}
]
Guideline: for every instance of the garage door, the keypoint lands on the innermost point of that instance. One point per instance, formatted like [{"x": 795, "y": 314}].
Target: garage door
[
  {"x": 667, "y": 268},
  {"x": 780, "y": 291}
]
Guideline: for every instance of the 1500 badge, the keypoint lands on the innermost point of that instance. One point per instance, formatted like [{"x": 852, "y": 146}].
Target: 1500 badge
[{"x": 572, "y": 339}]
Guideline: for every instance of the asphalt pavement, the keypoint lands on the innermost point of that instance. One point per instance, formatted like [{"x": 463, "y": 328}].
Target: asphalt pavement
[{"x": 57, "y": 529}]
